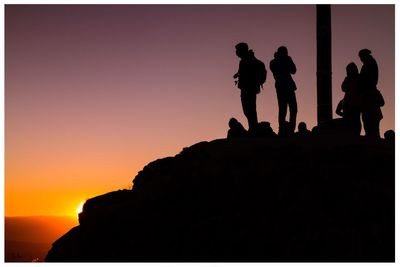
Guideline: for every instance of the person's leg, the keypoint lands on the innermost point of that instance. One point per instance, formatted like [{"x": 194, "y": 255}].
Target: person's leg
[
  {"x": 282, "y": 105},
  {"x": 250, "y": 109},
  {"x": 375, "y": 128},
  {"x": 354, "y": 124},
  {"x": 357, "y": 122},
  {"x": 253, "y": 120},
  {"x": 368, "y": 124},
  {"x": 293, "y": 110}
]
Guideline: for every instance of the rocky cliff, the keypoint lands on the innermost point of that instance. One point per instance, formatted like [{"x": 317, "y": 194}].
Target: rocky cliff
[{"x": 283, "y": 199}]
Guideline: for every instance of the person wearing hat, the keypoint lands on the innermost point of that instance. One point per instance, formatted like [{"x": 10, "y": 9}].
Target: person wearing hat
[{"x": 372, "y": 99}]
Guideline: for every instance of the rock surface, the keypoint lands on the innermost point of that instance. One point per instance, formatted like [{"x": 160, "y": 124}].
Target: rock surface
[{"x": 315, "y": 198}]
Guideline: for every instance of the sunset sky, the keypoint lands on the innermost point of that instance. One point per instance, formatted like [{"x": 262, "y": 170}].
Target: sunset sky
[{"x": 94, "y": 93}]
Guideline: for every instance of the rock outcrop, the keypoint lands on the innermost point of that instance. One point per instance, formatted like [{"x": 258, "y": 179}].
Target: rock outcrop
[{"x": 284, "y": 199}]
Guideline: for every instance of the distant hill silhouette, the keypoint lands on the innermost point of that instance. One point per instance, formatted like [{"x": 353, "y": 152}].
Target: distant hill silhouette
[
  {"x": 313, "y": 198},
  {"x": 29, "y": 238}
]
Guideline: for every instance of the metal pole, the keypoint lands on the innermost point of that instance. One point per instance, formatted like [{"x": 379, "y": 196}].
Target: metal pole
[{"x": 324, "y": 64}]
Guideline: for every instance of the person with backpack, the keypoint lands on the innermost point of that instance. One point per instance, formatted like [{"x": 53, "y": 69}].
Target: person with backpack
[
  {"x": 282, "y": 67},
  {"x": 251, "y": 76}
]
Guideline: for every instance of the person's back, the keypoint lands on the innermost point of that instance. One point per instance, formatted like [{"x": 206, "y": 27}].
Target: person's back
[
  {"x": 369, "y": 73},
  {"x": 248, "y": 83},
  {"x": 247, "y": 74},
  {"x": 351, "y": 87},
  {"x": 352, "y": 100}
]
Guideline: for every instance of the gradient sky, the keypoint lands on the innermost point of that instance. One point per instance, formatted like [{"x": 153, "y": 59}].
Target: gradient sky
[{"x": 94, "y": 93}]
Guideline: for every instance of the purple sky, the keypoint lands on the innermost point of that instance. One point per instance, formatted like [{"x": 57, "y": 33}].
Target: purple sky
[{"x": 93, "y": 93}]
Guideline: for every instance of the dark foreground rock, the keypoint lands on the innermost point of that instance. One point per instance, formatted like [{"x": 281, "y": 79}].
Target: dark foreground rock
[{"x": 284, "y": 199}]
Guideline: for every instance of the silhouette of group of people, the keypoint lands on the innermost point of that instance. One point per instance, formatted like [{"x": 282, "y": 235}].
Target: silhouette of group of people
[
  {"x": 282, "y": 67},
  {"x": 262, "y": 129},
  {"x": 362, "y": 98}
]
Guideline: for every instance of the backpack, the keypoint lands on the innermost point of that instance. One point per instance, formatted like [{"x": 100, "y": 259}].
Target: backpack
[{"x": 261, "y": 72}]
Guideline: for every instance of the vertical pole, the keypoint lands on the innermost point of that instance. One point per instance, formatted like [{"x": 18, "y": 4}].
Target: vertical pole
[{"x": 324, "y": 64}]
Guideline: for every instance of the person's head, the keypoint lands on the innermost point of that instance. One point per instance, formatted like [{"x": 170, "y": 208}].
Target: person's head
[
  {"x": 389, "y": 135},
  {"x": 364, "y": 54},
  {"x": 302, "y": 127},
  {"x": 233, "y": 123},
  {"x": 315, "y": 130},
  {"x": 241, "y": 49},
  {"x": 351, "y": 69},
  {"x": 282, "y": 51},
  {"x": 266, "y": 124}
]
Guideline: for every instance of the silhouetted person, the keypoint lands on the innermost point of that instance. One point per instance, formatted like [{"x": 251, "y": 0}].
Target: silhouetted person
[
  {"x": 264, "y": 130},
  {"x": 236, "y": 129},
  {"x": 351, "y": 103},
  {"x": 389, "y": 135},
  {"x": 372, "y": 99},
  {"x": 282, "y": 67},
  {"x": 302, "y": 129},
  {"x": 315, "y": 130},
  {"x": 249, "y": 82}
]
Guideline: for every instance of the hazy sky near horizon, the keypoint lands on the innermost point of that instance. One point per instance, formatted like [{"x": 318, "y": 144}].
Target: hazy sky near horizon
[{"x": 93, "y": 93}]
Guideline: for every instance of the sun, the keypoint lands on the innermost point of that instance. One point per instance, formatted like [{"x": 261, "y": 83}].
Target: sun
[{"x": 80, "y": 207}]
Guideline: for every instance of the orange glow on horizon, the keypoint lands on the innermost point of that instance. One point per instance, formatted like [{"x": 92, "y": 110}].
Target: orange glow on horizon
[
  {"x": 85, "y": 113},
  {"x": 80, "y": 208}
]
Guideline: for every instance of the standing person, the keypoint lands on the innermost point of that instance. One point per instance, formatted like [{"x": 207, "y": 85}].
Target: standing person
[
  {"x": 352, "y": 99},
  {"x": 372, "y": 99},
  {"x": 251, "y": 75},
  {"x": 282, "y": 67}
]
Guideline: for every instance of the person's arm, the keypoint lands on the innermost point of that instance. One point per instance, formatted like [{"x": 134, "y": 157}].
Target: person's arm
[
  {"x": 292, "y": 66},
  {"x": 339, "y": 108}
]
